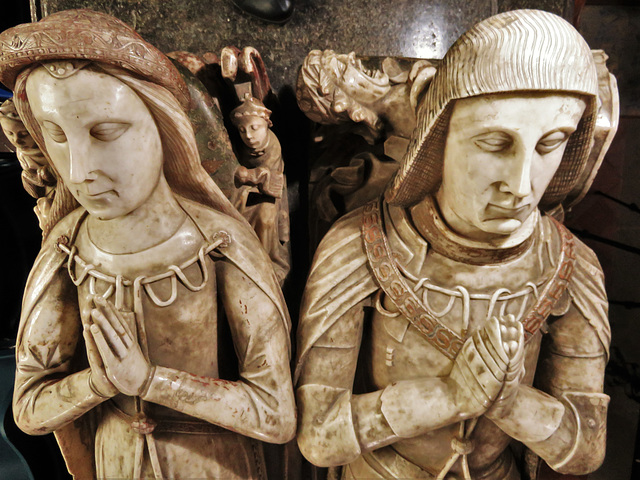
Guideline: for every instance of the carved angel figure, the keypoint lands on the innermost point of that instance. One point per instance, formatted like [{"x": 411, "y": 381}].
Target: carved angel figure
[
  {"x": 376, "y": 106},
  {"x": 148, "y": 280},
  {"x": 449, "y": 324},
  {"x": 37, "y": 178}
]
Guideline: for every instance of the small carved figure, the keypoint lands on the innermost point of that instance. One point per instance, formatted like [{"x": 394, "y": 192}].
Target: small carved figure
[
  {"x": 455, "y": 317},
  {"x": 37, "y": 178},
  {"x": 13, "y": 127},
  {"x": 376, "y": 106},
  {"x": 262, "y": 192},
  {"x": 149, "y": 280},
  {"x": 337, "y": 88}
]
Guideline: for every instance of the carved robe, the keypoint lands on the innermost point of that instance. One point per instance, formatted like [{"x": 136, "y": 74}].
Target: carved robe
[{"x": 205, "y": 427}]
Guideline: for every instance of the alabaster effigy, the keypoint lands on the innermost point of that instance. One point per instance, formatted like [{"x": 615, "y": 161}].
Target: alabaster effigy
[
  {"x": 154, "y": 338},
  {"x": 455, "y": 329}
]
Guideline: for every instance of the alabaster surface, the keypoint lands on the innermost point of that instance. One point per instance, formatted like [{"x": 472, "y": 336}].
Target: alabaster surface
[
  {"x": 247, "y": 163},
  {"x": 454, "y": 328},
  {"x": 154, "y": 338},
  {"x": 367, "y": 108},
  {"x": 37, "y": 178},
  {"x": 262, "y": 186}
]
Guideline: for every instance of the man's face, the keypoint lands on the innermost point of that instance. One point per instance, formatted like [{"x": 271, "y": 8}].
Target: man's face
[
  {"x": 501, "y": 153},
  {"x": 360, "y": 84},
  {"x": 16, "y": 133},
  {"x": 100, "y": 137},
  {"x": 254, "y": 132}
]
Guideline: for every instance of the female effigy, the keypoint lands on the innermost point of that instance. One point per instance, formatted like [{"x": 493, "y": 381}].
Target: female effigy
[{"x": 148, "y": 279}]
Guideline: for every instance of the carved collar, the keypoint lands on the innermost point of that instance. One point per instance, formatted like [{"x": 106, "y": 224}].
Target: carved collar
[{"x": 426, "y": 218}]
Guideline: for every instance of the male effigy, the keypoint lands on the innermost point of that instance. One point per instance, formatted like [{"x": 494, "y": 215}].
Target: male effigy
[
  {"x": 148, "y": 279},
  {"x": 455, "y": 320}
]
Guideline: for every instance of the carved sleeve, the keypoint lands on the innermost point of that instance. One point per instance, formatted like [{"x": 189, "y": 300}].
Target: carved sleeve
[
  {"x": 326, "y": 433},
  {"x": 49, "y": 392},
  {"x": 571, "y": 368},
  {"x": 260, "y": 404},
  {"x": 564, "y": 422},
  {"x": 336, "y": 426}
]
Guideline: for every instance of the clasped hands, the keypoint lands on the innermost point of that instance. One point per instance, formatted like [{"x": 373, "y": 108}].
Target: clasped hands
[
  {"x": 117, "y": 362},
  {"x": 489, "y": 368},
  {"x": 269, "y": 182}
]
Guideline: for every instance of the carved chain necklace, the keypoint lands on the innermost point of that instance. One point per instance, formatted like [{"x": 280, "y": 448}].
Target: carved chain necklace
[
  {"x": 497, "y": 301},
  {"x": 391, "y": 280}
]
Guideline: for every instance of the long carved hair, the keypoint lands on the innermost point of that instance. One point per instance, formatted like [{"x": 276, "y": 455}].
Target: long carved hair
[{"x": 182, "y": 169}]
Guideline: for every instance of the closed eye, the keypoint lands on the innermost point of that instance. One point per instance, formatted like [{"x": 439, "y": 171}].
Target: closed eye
[
  {"x": 493, "y": 141},
  {"x": 54, "y": 131},
  {"x": 550, "y": 142},
  {"x": 109, "y": 131}
]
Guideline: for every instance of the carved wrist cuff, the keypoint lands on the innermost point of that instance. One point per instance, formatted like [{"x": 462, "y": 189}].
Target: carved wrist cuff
[
  {"x": 145, "y": 388},
  {"x": 326, "y": 433},
  {"x": 94, "y": 389},
  {"x": 589, "y": 411}
]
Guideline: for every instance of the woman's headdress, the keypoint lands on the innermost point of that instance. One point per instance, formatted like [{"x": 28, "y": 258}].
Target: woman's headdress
[{"x": 87, "y": 35}]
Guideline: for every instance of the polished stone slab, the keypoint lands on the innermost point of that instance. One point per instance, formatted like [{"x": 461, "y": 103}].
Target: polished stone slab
[{"x": 406, "y": 28}]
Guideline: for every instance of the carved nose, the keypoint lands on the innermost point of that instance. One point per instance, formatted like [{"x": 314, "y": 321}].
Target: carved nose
[
  {"x": 518, "y": 176},
  {"x": 79, "y": 168}
]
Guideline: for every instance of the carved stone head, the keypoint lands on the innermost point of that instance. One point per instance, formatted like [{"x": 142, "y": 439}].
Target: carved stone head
[
  {"x": 99, "y": 136},
  {"x": 74, "y": 43},
  {"x": 501, "y": 153},
  {"x": 522, "y": 53},
  {"x": 252, "y": 119},
  {"x": 339, "y": 88},
  {"x": 13, "y": 128}
]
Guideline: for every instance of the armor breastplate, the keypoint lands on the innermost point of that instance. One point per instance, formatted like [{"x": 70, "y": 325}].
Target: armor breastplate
[{"x": 459, "y": 295}]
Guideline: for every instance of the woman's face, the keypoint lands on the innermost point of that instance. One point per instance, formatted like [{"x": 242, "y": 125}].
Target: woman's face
[{"x": 101, "y": 138}]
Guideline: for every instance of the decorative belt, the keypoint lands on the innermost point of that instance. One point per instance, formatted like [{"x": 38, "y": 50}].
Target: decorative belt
[
  {"x": 145, "y": 427},
  {"x": 142, "y": 424}
]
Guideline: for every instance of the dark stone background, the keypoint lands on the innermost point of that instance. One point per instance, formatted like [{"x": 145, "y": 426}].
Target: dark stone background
[
  {"x": 607, "y": 219},
  {"x": 406, "y": 28}
]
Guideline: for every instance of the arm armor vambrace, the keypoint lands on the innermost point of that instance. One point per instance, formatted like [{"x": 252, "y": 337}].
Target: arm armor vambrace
[{"x": 589, "y": 411}]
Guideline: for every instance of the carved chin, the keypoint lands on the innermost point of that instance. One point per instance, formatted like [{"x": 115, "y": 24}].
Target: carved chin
[
  {"x": 501, "y": 226},
  {"x": 495, "y": 212}
]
